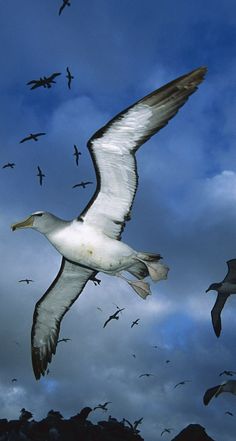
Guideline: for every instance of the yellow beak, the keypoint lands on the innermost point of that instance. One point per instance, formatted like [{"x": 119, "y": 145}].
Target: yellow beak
[{"x": 27, "y": 223}]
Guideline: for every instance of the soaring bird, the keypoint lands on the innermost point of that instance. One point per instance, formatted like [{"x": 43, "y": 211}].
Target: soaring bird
[
  {"x": 76, "y": 154},
  {"x": 9, "y": 165},
  {"x": 146, "y": 375},
  {"x": 69, "y": 76},
  {"x": 229, "y": 373},
  {"x": 40, "y": 175},
  {"x": 27, "y": 281},
  {"x": 33, "y": 136},
  {"x": 65, "y": 340},
  {"x": 224, "y": 290},
  {"x": 229, "y": 413},
  {"x": 102, "y": 406},
  {"x": 64, "y": 4},
  {"x": 168, "y": 430},
  {"x": 181, "y": 383},
  {"x": 227, "y": 386},
  {"x": 45, "y": 82},
  {"x": 14, "y": 380},
  {"x": 135, "y": 322},
  {"x": 114, "y": 316},
  {"x": 92, "y": 242},
  {"x": 82, "y": 184}
]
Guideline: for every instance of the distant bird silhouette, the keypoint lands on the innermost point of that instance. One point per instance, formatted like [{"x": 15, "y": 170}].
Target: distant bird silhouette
[
  {"x": 76, "y": 154},
  {"x": 27, "y": 281},
  {"x": 64, "y": 4},
  {"x": 155, "y": 346},
  {"x": 224, "y": 290},
  {"x": 113, "y": 317},
  {"x": 181, "y": 383},
  {"x": 146, "y": 375},
  {"x": 33, "y": 136},
  {"x": 45, "y": 82},
  {"x": 14, "y": 380},
  {"x": 40, "y": 175},
  {"x": 9, "y": 165},
  {"x": 133, "y": 355},
  {"x": 65, "y": 340},
  {"x": 133, "y": 426},
  {"x": 82, "y": 184},
  {"x": 166, "y": 431},
  {"x": 227, "y": 386},
  {"x": 167, "y": 361},
  {"x": 135, "y": 322},
  {"x": 95, "y": 280},
  {"x": 229, "y": 413},
  {"x": 70, "y": 77},
  {"x": 229, "y": 373},
  {"x": 102, "y": 406},
  {"x": 99, "y": 309}
]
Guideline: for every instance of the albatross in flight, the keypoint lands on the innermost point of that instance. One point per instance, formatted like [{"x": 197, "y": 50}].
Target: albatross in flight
[{"x": 92, "y": 242}]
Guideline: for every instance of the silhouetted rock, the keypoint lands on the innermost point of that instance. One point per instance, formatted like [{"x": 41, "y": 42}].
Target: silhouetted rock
[{"x": 193, "y": 432}]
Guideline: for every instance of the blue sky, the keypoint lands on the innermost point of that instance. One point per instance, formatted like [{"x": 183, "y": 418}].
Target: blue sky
[{"x": 184, "y": 207}]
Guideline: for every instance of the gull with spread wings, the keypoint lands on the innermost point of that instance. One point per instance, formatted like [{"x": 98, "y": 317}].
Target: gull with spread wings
[{"x": 92, "y": 242}]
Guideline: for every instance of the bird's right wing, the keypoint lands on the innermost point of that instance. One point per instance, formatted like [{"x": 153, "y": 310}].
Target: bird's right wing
[
  {"x": 50, "y": 310},
  {"x": 231, "y": 274},
  {"x": 210, "y": 393},
  {"x": 216, "y": 311}
]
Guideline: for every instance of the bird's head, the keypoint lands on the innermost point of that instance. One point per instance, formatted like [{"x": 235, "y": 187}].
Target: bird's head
[
  {"x": 214, "y": 286},
  {"x": 41, "y": 221}
]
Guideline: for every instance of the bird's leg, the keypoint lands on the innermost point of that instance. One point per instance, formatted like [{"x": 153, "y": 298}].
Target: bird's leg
[{"x": 140, "y": 287}]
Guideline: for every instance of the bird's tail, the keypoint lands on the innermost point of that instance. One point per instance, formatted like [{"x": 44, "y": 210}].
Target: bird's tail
[{"x": 151, "y": 266}]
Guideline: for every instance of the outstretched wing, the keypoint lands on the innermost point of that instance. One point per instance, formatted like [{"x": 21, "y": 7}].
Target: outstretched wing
[
  {"x": 210, "y": 393},
  {"x": 216, "y": 312},
  {"x": 50, "y": 310},
  {"x": 113, "y": 150},
  {"x": 231, "y": 274}
]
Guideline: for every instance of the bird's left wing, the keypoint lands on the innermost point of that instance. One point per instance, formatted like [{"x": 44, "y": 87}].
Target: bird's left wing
[
  {"x": 216, "y": 312},
  {"x": 210, "y": 393},
  {"x": 113, "y": 150},
  {"x": 50, "y": 310}
]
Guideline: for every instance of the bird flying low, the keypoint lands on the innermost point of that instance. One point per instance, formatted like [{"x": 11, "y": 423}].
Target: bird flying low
[
  {"x": 9, "y": 165},
  {"x": 91, "y": 243},
  {"x": 227, "y": 386},
  {"x": 224, "y": 290}
]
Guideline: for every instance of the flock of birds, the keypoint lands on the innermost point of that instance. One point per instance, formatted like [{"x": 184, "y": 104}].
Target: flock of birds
[{"x": 91, "y": 243}]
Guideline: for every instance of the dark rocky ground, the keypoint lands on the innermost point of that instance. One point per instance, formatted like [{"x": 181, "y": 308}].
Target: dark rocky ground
[{"x": 78, "y": 428}]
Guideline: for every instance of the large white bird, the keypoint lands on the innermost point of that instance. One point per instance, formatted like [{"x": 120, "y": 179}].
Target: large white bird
[{"x": 91, "y": 242}]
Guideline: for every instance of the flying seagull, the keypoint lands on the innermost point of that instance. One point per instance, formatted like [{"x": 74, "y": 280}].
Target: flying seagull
[
  {"x": 64, "y": 4},
  {"x": 227, "y": 386},
  {"x": 146, "y": 375},
  {"x": 135, "y": 322},
  {"x": 9, "y": 165},
  {"x": 166, "y": 431},
  {"x": 229, "y": 373},
  {"x": 65, "y": 340},
  {"x": 82, "y": 184},
  {"x": 102, "y": 406},
  {"x": 113, "y": 317},
  {"x": 76, "y": 154},
  {"x": 14, "y": 380},
  {"x": 40, "y": 175},
  {"x": 133, "y": 426},
  {"x": 181, "y": 383},
  {"x": 69, "y": 76},
  {"x": 33, "y": 136},
  {"x": 27, "y": 281},
  {"x": 92, "y": 242},
  {"x": 45, "y": 82},
  {"x": 224, "y": 290},
  {"x": 229, "y": 413}
]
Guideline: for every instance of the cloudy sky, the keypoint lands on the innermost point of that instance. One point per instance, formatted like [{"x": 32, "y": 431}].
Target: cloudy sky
[{"x": 184, "y": 209}]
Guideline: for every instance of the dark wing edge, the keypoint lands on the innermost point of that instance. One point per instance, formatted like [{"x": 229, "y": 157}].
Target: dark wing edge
[
  {"x": 209, "y": 394},
  {"x": 50, "y": 310},
  {"x": 174, "y": 94},
  {"x": 231, "y": 274},
  {"x": 216, "y": 312}
]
